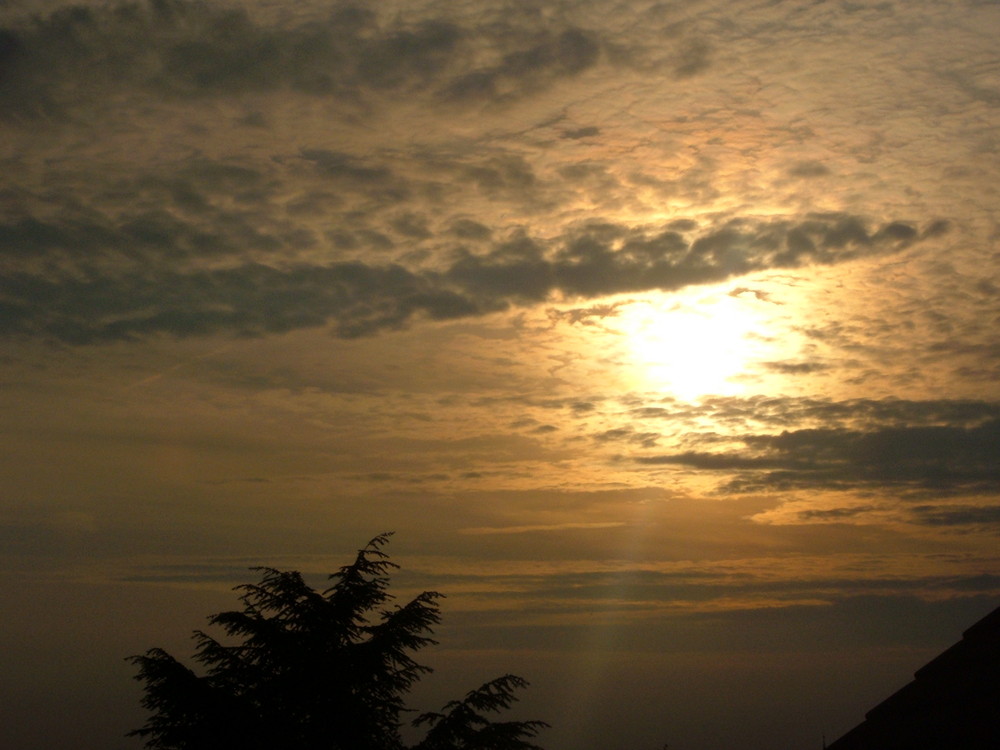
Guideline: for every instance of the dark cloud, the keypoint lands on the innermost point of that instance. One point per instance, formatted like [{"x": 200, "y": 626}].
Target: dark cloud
[
  {"x": 468, "y": 229},
  {"x": 962, "y": 518},
  {"x": 692, "y": 57},
  {"x": 589, "y": 264},
  {"x": 53, "y": 63},
  {"x": 937, "y": 228},
  {"x": 550, "y": 56},
  {"x": 251, "y": 299},
  {"x": 796, "y": 368},
  {"x": 411, "y": 225},
  {"x": 809, "y": 169},
  {"x": 143, "y": 236},
  {"x": 365, "y": 178},
  {"x": 835, "y": 514},
  {"x": 869, "y": 414},
  {"x": 148, "y": 293},
  {"x": 938, "y": 458},
  {"x": 756, "y": 293},
  {"x": 498, "y": 174},
  {"x": 586, "y": 132},
  {"x": 585, "y": 315},
  {"x": 628, "y": 435},
  {"x": 714, "y": 461},
  {"x": 375, "y": 240},
  {"x": 957, "y": 515},
  {"x": 346, "y": 167}
]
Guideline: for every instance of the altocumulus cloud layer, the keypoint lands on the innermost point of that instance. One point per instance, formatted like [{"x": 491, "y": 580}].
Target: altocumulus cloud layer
[
  {"x": 184, "y": 170},
  {"x": 362, "y": 240},
  {"x": 178, "y": 170},
  {"x": 653, "y": 327}
]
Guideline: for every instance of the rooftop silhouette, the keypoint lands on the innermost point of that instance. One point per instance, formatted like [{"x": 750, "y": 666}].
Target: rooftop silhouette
[{"x": 953, "y": 701}]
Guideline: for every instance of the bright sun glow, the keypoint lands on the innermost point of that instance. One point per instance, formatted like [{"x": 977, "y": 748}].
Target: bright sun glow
[{"x": 694, "y": 346}]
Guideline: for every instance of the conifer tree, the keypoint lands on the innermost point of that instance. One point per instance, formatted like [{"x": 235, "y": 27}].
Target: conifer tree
[{"x": 304, "y": 669}]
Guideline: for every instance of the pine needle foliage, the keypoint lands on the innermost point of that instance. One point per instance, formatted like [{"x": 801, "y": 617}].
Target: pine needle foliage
[
  {"x": 307, "y": 670},
  {"x": 464, "y": 724}
]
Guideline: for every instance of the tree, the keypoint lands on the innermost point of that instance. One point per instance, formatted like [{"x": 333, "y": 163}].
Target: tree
[
  {"x": 463, "y": 724},
  {"x": 304, "y": 669}
]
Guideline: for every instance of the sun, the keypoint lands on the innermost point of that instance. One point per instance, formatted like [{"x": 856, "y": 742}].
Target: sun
[{"x": 693, "y": 346}]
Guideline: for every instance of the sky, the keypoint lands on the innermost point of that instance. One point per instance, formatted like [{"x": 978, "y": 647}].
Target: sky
[{"x": 663, "y": 334}]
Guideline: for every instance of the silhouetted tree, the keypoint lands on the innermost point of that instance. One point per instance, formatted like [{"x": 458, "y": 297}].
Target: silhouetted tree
[
  {"x": 305, "y": 670},
  {"x": 463, "y": 724}
]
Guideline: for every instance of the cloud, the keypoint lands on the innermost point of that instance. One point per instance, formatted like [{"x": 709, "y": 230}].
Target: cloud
[
  {"x": 76, "y": 55},
  {"x": 587, "y": 316},
  {"x": 345, "y": 167},
  {"x": 468, "y": 229},
  {"x": 857, "y": 415},
  {"x": 588, "y": 131},
  {"x": 660, "y": 588},
  {"x": 796, "y": 368},
  {"x": 550, "y": 56},
  {"x": 587, "y": 263},
  {"x": 540, "y": 527},
  {"x": 957, "y": 515},
  {"x": 628, "y": 435},
  {"x": 971, "y": 514},
  {"x": 144, "y": 291},
  {"x": 937, "y": 458},
  {"x": 836, "y": 514},
  {"x": 246, "y": 300},
  {"x": 353, "y": 228},
  {"x": 808, "y": 169}
]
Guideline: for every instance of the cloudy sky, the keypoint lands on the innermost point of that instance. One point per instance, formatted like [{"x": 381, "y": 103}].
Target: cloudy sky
[{"x": 664, "y": 334}]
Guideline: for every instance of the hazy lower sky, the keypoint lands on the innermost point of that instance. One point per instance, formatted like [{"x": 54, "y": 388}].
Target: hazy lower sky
[{"x": 664, "y": 334}]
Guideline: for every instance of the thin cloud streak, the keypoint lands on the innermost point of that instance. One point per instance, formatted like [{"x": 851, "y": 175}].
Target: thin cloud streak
[{"x": 540, "y": 527}]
